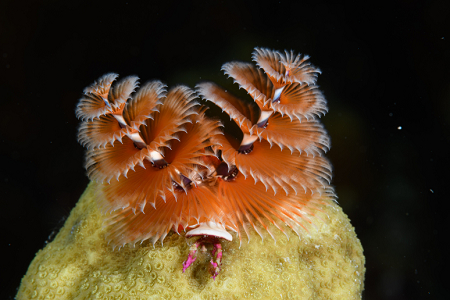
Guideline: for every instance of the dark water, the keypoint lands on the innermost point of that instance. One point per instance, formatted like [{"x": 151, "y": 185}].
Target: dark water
[{"x": 385, "y": 75}]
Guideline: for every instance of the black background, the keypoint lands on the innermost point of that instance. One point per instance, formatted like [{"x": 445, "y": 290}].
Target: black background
[{"x": 384, "y": 67}]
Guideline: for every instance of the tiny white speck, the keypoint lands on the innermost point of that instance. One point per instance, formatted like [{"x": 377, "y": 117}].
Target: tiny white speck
[
  {"x": 431, "y": 191},
  {"x": 399, "y": 127}
]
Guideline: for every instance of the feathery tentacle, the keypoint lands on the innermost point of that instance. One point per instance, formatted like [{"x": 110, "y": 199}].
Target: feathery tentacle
[
  {"x": 142, "y": 106},
  {"x": 305, "y": 136},
  {"x": 277, "y": 168},
  {"x": 301, "y": 101},
  {"x": 198, "y": 204},
  {"x": 175, "y": 112},
  {"x": 148, "y": 182},
  {"x": 253, "y": 80},
  {"x": 94, "y": 102},
  {"x": 298, "y": 68},
  {"x": 100, "y": 132},
  {"x": 120, "y": 92},
  {"x": 242, "y": 113},
  {"x": 113, "y": 160},
  {"x": 285, "y": 68}
]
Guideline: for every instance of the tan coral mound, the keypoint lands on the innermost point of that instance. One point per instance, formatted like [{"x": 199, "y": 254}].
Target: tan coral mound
[{"x": 327, "y": 263}]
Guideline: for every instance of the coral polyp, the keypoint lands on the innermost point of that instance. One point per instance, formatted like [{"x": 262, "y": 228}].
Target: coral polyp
[{"x": 165, "y": 165}]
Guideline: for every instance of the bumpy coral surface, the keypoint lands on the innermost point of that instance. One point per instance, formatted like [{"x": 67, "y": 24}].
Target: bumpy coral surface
[{"x": 324, "y": 263}]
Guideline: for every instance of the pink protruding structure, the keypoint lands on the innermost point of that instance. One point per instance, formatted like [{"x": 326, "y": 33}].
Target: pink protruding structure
[
  {"x": 216, "y": 260},
  {"x": 192, "y": 256}
]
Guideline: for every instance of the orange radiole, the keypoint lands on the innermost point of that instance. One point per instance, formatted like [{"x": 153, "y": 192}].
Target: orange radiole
[{"x": 164, "y": 165}]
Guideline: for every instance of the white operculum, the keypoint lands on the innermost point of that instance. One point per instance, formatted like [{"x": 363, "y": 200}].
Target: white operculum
[{"x": 210, "y": 229}]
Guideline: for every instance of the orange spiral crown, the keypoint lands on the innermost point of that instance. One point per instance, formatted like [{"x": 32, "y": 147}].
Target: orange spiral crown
[{"x": 164, "y": 165}]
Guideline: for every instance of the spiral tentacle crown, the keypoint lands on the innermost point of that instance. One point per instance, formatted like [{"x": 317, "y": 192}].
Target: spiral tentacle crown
[{"x": 164, "y": 165}]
